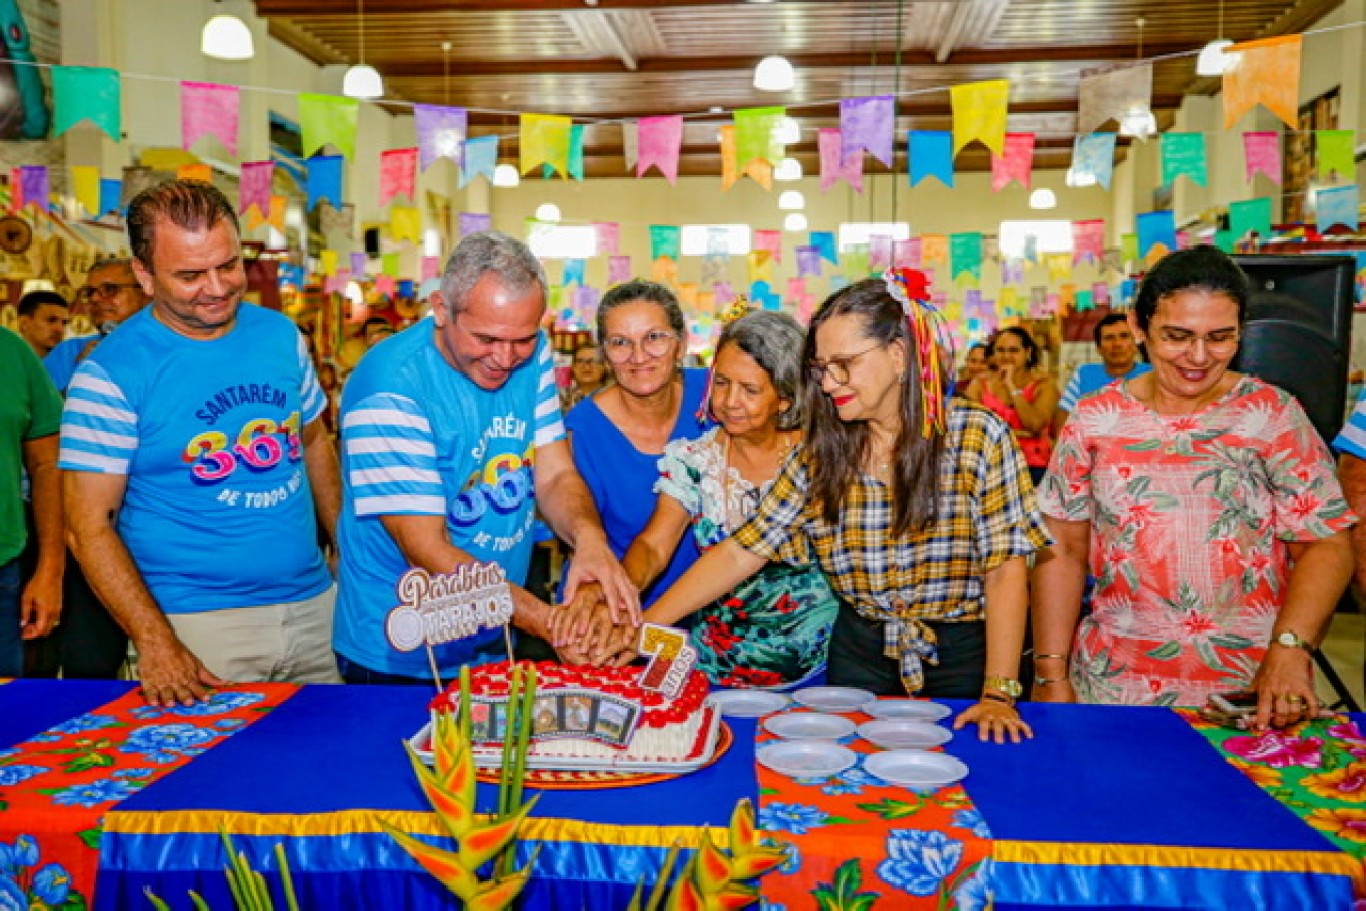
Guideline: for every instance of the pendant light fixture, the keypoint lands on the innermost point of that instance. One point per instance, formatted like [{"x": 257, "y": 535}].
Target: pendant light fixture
[
  {"x": 226, "y": 38},
  {"x": 505, "y": 175},
  {"x": 775, "y": 74},
  {"x": 1138, "y": 122},
  {"x": 795, "y": 221},
  {"x": 1213, "y": 61},
  {"x": 791, "y": 201},
  {"x": 787, "y": 170},
  {"x": 362, "y": 80}
]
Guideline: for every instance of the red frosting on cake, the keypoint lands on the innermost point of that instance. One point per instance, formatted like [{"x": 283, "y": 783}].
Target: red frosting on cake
[{"x": 659, "y": 710}]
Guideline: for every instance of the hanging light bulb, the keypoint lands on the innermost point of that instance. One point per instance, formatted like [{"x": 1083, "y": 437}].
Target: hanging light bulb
[
  {"x": 795, "y": 221},
  {"x": 362, "y": 80},
  {"x": 788, "y": 170},
  {"x": 548, "y": 212},
  {"x": 505, "y": 175},
  {"x": 1212, "y": 60},
  {"x": 1043, "y": 198},
  {"x": 227, "y": 38},
  {"x": 791, "y": 200},
  {"x": 775, "y": 74}
]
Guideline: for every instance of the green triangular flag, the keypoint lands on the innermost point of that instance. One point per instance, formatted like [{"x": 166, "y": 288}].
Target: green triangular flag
[
  {"x": 328, "y": 118},
  {"x": 756, "y": 135},
  {"x": 1337, "y": 152},
  {"x": 86, "y": 93}
]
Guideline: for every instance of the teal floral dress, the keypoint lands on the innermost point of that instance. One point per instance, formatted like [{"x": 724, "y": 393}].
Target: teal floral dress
[{"x": 773, "y": 630}]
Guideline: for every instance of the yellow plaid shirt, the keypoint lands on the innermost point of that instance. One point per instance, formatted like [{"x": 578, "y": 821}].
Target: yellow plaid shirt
[{"x": 987, "y": 515}]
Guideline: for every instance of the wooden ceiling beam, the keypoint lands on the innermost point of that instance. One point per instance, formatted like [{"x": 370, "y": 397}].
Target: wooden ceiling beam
[{"x": 305, "y": 8}]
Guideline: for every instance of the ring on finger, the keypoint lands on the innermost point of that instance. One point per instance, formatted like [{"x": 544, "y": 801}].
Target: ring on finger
[{"x": 1294, "y": 699}]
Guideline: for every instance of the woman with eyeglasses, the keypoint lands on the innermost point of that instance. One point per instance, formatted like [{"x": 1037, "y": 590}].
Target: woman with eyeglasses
[
  {"x": 588, "y": 374},
  {"x": 1210, "y": 513},
  {"x": 619, "y": 434},
  {"x": 915, "y": 505},
  {"x": 772, "y": 630}
]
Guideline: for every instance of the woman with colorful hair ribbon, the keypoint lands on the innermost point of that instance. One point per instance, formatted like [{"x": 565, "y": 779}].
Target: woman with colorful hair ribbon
[{"x": 916, "y": 506}]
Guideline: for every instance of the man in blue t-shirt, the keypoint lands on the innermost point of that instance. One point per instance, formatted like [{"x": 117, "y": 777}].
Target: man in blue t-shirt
[
  {"x": 195, "y": 459},
  {"x": 113, "y": 295},
  {"x": 451, "y": 439},
  {"x": 1118, "y": 361}
]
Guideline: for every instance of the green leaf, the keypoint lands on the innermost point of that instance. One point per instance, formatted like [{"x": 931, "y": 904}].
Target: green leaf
[
  {"x": 891, "y": 809},
  {"x": 1165, "y": 652},
  {"x": 838, "y": 821},
  {"x": 91, "y": 837},
  {"x": 89, "y": 761},
  {"x": 848, "y": 878},
  {"x": 157, "y": 903},
  {"x": 862, "y": 902},
  {"x": 1230, "y": 641}
]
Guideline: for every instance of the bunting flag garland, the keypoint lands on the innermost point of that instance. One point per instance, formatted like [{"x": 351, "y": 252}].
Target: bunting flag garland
[
  {"x": 609, "y": 237},
  {"x": 824, "y": 242},
  {"x": 1336, "y": 151},
  {"x": 760, "y": 266},
  {"x": 254, "y": 184},
  {"x": 1338, "y": 206},
  {"x": 834, "y": 166},
  {"x": 659, "y": 140},
  {"x": 1156, "y": 229},
  {"x": 1184, "y": 153},
  {"x": 1012, "y": 271},
  {"x": 1262, "y": 152},
  {"x": 544, "y": 139},
  {"x": 431, "y": 267},
  {"x": 630, "y": 144},
  {"x": 327, "y": 262},
  {"x": 87, "y": 93},
  {"x": 328, "y": 118},
  {"x": 359, "y": 264},
  {"x": 664, "y": 271},
  {"x": 1059, "y": 266},
  {"x": 771, "y": 241},
  {"x": 1088, "y": 240},
  {"x": 440, "y": 133},
  {"x": 474, "y": 222},
  {"x": 868, "y": 123},
  {"x": 931, "y": 155},
  {"x": 397, "y": 175},
  {"x": 481, "y": 157},
  {"x": 757, "y": 135},
  {"x": 904, "y": 255},
  {"x": 35, "y": 185},
  {"x": 1268, "y": 72},
  {"x": 1128, "y": 248},
  {"x": 665, "y": 240},
  {"x": 979, "y": 112},
  {"x": 323, "y": 180},
  {"x": 85, "y": 186},
  {"x": 198, "y": 172},
  {"x": 1108, "y": 94},
  {"x": 879, "y": 252},
  {"x": 276, "y": 218},
  {"x": 1250, "y": 215},
  {"x": 405, "y": 223},
  {"x": 111, "y": 196},
  {"x": 934, "y": 250},
  {"x": 808, "y": 261},
  {"x": 760, "y": 171},
  {"x": 618, "y": 269},
  {"x": 575, "y": 151},
  {"x": 1093, "y": 155},
  {"x": 1015, "y": 162},
  {"x": 208, "y": 109},
  {"x": 573, "y": 272}
]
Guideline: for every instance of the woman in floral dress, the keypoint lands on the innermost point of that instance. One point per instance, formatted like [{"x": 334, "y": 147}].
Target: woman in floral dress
[
  {"x": 773, "y": 630},
  {"x": 1216, "y": 529}
]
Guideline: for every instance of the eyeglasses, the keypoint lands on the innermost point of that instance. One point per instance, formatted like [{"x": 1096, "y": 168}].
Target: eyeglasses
[
  {"x": 1179, "y": 341},
  {"x": 656, "y": 343},
  {"x": 837, "y": 368},
  {"x": 106, "y": 289}
]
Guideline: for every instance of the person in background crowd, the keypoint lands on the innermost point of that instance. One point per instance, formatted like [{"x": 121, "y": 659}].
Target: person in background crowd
[
  {"x": 1207, "y": 506},
  {"x": 451, "y": 440},
  {"x": 589, "y": 374},
  {"x": 376, "y": 330},
  {"x": 113, "y": 295},
  {"x": 1020, "y": 393},
  {"x": 619, "y": 434},
  {"x": 914, "y": 503},
  {"x": 43, "y": 316},
  {"x": 195, "y": 462},
  {"x": 1119, "y": 360},
  {"x": 1351, "y": 444},
  {"x": 974, "y": 365},
  {"x": 773, "y": 630},
  {"x": 30, "y": 416}
]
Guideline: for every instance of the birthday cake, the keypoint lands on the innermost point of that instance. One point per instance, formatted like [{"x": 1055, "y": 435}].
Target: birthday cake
[{"x": 598, "y": 714}]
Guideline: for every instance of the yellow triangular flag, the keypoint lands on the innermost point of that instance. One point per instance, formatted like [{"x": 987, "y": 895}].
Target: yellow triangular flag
[
  {"x": 934, "y": 250},
  {"x": 544, "y": 139},
  {"x": 664, "y": 271},
  {"x": 277, "y": 213},
  {"x": 405, "y": 222},
  {"x": 200, "y": 172},
  {"x": 327, "y": 262},
  {"x": 1268, "y": 71},
  {"x": 760, "y": 266},
  {"x": 85, "y": 186},
  {"x": 979, "y": 112}
]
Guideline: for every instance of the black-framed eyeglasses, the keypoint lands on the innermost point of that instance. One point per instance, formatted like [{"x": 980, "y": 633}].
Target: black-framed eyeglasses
[
  {"x": 654, "y": 343},
  {"x": 837, "y": 368},
  {"x": 106, "y": 289}
]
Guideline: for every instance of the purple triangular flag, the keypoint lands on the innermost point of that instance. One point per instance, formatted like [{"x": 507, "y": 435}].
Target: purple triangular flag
[
  {"x": 440, "y": 133},
  {"x": 866, "y": 123}
]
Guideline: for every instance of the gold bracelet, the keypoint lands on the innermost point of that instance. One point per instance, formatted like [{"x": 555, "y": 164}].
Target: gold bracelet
[
  {"x": 999, "y": 697},
  {"x": 1042, "y": 657}
]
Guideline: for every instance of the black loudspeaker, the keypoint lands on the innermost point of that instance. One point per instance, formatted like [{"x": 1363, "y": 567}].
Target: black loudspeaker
[
  {"x": 1298, "y": 333},
  {"x": 372, "y": 241}
]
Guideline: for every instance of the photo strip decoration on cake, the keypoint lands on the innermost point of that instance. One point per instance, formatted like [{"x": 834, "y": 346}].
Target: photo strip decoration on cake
[{"x": 436, "y": 609}]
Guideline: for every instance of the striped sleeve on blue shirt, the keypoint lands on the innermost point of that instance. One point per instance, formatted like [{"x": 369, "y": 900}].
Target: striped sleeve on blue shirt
[
  {"x": 1352, "y": 439},
  {"x": 391, "y": 458},
  {"x": 549, "y": 424},
  {"x": 99, "y": 427},
  {"x": 311, "y": 397},
  {"x": 1068, "y": 402}
]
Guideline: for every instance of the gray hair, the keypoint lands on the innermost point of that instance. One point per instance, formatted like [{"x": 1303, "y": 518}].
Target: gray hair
[
  {"x": 640, "y": 290},
  {"x": 476, "y": 255},
  {"x": 775, "y": 342}
]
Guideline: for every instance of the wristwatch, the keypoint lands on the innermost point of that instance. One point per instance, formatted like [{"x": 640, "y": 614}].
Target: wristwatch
[
  {"x": 1289, "y": 639},
  {"x": 1003, "y": 685}
]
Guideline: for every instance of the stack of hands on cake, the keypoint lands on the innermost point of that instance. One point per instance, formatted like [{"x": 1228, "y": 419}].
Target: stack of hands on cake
[{"x": 586, "y": 629}]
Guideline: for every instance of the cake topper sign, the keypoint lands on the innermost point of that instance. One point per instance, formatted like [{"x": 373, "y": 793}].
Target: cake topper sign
[
  {"x": 433, "y": 610},
  {"x": 671, "y": 656}
]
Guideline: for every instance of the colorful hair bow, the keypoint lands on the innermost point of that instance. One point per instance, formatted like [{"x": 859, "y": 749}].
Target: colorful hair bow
[{"x": 929, "y": 333}]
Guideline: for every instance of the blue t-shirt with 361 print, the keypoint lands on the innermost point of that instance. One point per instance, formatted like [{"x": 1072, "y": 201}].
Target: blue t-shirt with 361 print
[
  {"x": 217, "y": 512},
  {"x": 419, "y": 438}
]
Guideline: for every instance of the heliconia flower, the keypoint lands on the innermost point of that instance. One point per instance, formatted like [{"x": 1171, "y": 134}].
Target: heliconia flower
[
  {"x": 685, "y": 895},
  {"x": 499, "y": 894},
  {"x": 444, "y": 865},
  {"x": 733, "y": 897},
  {"x": 743, "y": 835},
  {"x": 456, "y": 816},
  {"x": 713, "y": 869},
  {"x": 483, "y": 842}
]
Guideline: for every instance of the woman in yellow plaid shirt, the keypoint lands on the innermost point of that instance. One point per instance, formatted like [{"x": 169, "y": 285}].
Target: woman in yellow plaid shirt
[{"x": 917, "y": 506}]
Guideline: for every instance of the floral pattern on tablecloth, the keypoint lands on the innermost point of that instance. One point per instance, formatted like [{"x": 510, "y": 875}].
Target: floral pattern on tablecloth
[
  {"x": 911, "y": 848},
  {"x": 1316, "y": 768},
  {"x": 56, "y": 787}
]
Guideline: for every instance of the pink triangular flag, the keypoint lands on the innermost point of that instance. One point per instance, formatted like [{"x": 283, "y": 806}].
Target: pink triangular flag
[
  {"x": 1088, "y": 240},
  {"x": 397, "y": 174},
  {"x": 618, "y": 269},
  {"x": 1015, "y": 163},
  {"x": 208, "y": 109},
  {"x": 253, "y": 187},
  {"x": 609, "y": 237},
  {"x": 658, "y": 142},
  {"x": 833, "y": 166},
  {"x": 1262, "y": 152},
  {"x": 770, "y": 241}
]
